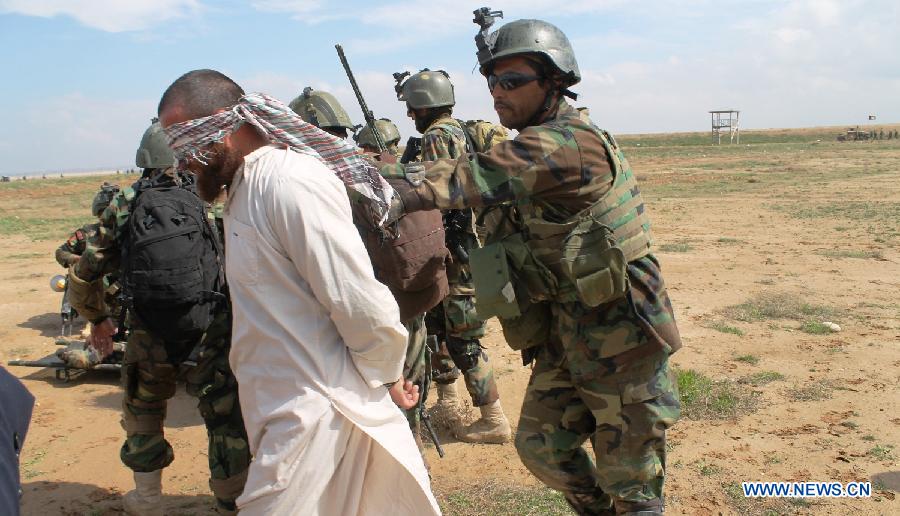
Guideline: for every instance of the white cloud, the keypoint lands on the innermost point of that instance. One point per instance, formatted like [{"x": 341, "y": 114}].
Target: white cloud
[
  {"x": 408, "y": 23},
  {"x": 107, "y": 15}
]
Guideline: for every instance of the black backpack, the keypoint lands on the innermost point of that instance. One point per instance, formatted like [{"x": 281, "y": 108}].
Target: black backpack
[{"x": 173, "y": 275}]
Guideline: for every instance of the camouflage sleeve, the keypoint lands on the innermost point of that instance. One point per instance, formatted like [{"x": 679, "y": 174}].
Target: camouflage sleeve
[
  {"x": 102, "y": 253},
  {"x": 65, "y": 254},
  {"x": 539, "y": 162},
  {"x": 434, "y": 146}
]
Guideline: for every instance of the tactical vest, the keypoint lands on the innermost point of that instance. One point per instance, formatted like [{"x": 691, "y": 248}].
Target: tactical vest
[{"x": 534, "y": 262}]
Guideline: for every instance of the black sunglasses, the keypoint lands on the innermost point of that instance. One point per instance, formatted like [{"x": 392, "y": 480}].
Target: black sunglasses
[{"x": 510, "y": 80}]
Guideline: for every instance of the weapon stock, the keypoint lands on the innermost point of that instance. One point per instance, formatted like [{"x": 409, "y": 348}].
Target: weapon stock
[
  {"x": 412, "y": 150},
  {"x": 367, "y": 113}
]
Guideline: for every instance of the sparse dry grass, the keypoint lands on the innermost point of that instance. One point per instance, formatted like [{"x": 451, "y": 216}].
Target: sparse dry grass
[
  {"x": 503, "y": 498},
  {"x": 770, "y": 305},
  {"x": 705, "y": 398}
]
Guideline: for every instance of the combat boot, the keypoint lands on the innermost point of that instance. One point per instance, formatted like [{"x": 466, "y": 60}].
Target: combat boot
[
  {"x": 492, "y": 427},
  {"x": 146, "y": 497},
  {"x": 447, "y": 398}
]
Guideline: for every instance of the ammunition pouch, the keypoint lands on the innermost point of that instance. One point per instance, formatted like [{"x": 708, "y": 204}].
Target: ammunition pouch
[
  {"x": 87, "y": 297},
  {"x": 591, "y": 268},
  {"x": 512, "y": 285},
  {"x": 516, "y": 280}
]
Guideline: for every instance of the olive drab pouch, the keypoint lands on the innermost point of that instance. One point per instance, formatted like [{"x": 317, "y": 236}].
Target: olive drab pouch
[
  {"x": 508, "y": 282},
  {"x": 530, "y": 329},
  {"x": 594, "y": 264},
  {"x": 495, "y": 294}
]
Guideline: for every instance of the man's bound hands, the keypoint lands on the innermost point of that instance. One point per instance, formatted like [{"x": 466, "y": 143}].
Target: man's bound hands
[{"x": 405, "y": 394}]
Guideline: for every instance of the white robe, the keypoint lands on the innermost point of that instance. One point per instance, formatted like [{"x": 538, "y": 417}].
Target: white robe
[{"x": 315, "y": 338}]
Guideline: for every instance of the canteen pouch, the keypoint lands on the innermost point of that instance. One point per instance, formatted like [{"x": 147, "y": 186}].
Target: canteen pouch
[
  {"x": 530, "y": 329},
  {"x": 595, "y": 266},
  {"x": 505, "y": 274},
  {"x": 495, "y": 294}
]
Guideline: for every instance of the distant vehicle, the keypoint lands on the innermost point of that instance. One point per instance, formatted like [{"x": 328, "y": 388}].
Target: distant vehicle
[{"x": 854, "y": 134}]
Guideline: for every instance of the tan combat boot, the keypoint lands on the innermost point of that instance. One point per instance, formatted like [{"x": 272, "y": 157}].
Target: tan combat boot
[
  {"x": 447, "y": 409},
  {"x": 146, "y": 497},
  {"x": 447, "y": 398},
  {"x": 492, "y": 427}
]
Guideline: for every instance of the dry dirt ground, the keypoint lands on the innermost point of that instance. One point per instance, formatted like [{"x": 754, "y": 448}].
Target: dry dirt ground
[{"x": 760, "y": 244}]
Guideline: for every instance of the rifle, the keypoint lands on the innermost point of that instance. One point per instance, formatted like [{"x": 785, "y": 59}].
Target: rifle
[
  {"x": 412, "y": 150},
  {"x": 367, "y": 113},
  {"x": 458, "y": 224},
  {"x": 426, "y": 385}
]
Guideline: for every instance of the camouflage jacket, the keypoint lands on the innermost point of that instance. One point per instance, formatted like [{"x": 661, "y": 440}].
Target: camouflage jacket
[
  {"x": 444, "y": 138},
  {"x": 75, "y": 245},
  {"x": 562, "y": 167}
]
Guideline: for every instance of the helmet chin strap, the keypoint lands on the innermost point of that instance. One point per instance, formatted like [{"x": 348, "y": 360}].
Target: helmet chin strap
[{"x": 551, "y": 98}]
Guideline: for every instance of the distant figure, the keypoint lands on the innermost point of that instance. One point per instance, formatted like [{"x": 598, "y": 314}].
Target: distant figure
[{"x": 16, "y": 404}]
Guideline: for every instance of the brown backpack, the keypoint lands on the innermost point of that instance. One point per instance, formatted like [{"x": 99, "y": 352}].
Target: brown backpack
[{"x": 413, "y": 264}]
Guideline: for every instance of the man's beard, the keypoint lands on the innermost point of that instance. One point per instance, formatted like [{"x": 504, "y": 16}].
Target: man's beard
[{"x": 216, "y": 175}]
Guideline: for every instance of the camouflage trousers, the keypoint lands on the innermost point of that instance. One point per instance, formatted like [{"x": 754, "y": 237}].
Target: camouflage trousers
[
  {"x": 457, "y": 327},
  {"x": 578, "y": 391},
  {"x": 149, "y": 373},
  {"x": 415, "y": 365}
]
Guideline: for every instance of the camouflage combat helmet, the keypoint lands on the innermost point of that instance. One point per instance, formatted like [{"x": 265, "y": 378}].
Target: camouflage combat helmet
[
  {"x": 154, "y": 151},
  {"x": 426, "y": 89},
  {"x": 105, "y": 196},
  {"x": 525, "y": 37},
  {"x": 320, "y": 109},
  {"x": 386, "y": 129}
]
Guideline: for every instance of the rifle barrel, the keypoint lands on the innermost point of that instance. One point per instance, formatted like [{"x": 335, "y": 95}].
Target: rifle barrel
[{"x": 367, "y": 113}]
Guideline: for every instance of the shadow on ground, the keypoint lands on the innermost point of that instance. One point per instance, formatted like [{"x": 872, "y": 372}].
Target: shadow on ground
[
  {"x": 49, "y": 324},
  {"x": 71, "y": 498},
  {"x": 181, "y": 410},
  {"x": 889, "y": 480}
]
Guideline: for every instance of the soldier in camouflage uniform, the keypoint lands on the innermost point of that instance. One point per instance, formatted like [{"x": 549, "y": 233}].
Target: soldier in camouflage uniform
[
  {"x": 569, "y": 271},
  {"x": 71, "y": 250},
  {"x": 152, "y": 366},
  {"x": 322, "y": 110},
  {"x": 389, "y": 135},
  {"x": 429, "y": 100}
]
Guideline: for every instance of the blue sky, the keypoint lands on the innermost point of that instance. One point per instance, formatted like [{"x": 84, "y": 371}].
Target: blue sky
[{"x": 82, "y": 78}]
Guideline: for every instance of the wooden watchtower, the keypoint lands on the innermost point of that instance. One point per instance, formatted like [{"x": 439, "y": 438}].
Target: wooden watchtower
[{"x": 725, "y": 119}]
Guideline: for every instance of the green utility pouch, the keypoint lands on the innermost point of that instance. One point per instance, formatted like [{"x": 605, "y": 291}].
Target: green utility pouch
[
  {"x": 495, "y": 294},
  {"x": 594, "y": 264},
  {"x": 530, "y": 329},
  {"x": 508, "y": 280}
]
